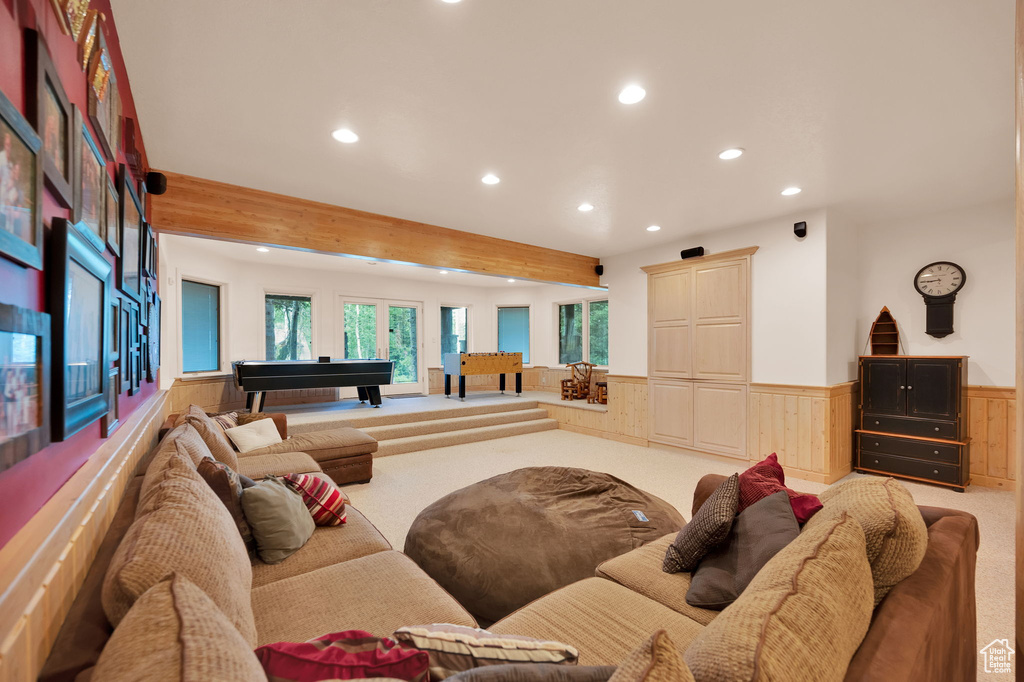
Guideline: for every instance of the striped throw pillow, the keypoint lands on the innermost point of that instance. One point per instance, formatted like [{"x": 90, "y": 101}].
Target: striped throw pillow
[
  {"x": 225, "y": 420},
  {"x": 323, "y": 499}
]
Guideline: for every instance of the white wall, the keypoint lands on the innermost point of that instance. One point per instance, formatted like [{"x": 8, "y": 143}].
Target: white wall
[
  {"x": 843, "y": 302},
  {"x": 981, "y": 240},
  {"x": 788, "y": 284}
]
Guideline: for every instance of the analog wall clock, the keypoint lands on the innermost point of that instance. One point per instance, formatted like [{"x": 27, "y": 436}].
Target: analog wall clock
[{"x": 939, "y": 284}]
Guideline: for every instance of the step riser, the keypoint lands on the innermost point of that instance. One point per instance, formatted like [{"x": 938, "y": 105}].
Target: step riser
[
  {"x": 428, "y": 442},
  {"x": 382, "y": 433},
  {"x": 382, "y": 417}
]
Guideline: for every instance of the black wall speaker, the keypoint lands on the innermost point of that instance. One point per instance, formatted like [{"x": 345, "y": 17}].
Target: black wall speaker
[
  {"x": 800, "y": 229},
  {"x": 599, "y": 269},
  {"x": 692, "y": 253},
  {"x": 156, "y": 183}
]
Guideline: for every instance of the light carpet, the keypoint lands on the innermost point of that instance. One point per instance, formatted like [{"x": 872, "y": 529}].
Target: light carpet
[{"x": 405, "y": 484}]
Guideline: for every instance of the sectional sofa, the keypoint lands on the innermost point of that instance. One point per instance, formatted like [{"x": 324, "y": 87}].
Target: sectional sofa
[{"x": 349, "y": 577}]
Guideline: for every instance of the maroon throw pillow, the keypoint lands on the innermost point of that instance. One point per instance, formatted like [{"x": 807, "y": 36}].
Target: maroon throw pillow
[
  {"x": 766, "y": 478},
  {"x": 349, "y": 655}
]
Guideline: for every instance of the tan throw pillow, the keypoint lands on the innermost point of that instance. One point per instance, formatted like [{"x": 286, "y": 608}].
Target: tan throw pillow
[
  {"x": 706, "y": 530},
  {"x": 454, "y": 648},
  {"x": 183, "y": 528},
  {"x": 212, "y": 435},
  {"x": 254, "y": 435},
  {"x": 280, "y": 522},
  {"x": 175, "y": 632},
  {"x": 801, "y": 618},
  {"x": 656, "y": 660},
  {"x": 227, "y": 486},
  {"x": 897, "y": 537}
]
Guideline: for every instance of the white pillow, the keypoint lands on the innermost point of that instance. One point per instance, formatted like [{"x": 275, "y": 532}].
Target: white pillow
[{"x": 254, "y": 435}]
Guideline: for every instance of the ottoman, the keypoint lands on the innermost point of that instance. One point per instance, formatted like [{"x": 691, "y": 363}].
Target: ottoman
[{"x": 499, "y": 544}]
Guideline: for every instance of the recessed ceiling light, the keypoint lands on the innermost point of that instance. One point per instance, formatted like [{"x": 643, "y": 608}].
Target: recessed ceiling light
[
  {"x": 654, "y": 228},
  {"x": 345, "y": 135},
  {"x": 443, "y": 272},
  {"x": 730, "y": 154},
  {"x": 631, "y": 94},
  {"x": 451, "y": 2},
  {"x": 511, "y": 281},
  {"x": 585, "y": 207},
  {"x": 262, "y": 249},
  {"x": 490, "y": 179},
  {"x": 790, "y": 191}
]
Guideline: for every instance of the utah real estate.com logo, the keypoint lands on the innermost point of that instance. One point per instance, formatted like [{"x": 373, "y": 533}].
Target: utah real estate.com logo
[{"x": 998, "y": 656}]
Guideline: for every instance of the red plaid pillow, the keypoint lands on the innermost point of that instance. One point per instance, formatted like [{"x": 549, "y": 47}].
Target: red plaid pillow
[
  {"x": 766, "y": 478},
  {"x": 325, "y": 502},
  {"x": 349, "y": 655}
]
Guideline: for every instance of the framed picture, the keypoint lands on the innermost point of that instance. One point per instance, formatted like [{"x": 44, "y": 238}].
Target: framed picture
[
  {"x": 144, "y": 359},
  {"x": 87, "y": 37},
  {"x": 21, "y": 188},
  {"x": 79, "y": 295},
  {"x": 91, "y": 189},
  {"x": 154, "y": 337},
  {"x": 74, "y": 14},
  {"x": 144, "y": 304},
  {"x": 54, "y": 118},
  {"x": 149, "y": 244},
  {"x": 98, "y": 79},
  {"x": 124, "y": 354},
  {"x": 113, "y": 204},
  {"x": 129, "y": 266},
  {"x": 114, "y": 332},
  {"x": 136, "y": 372},
  {"x": 115, "y": 114},
  {"x": 24, "y": 383},
  {"x": 112, "y": 419}
]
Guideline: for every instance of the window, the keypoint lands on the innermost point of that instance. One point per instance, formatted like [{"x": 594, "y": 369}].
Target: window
[
  {"x": 514, "y": 331},
  {"x": 454, "y": 330},
  {"x": 583, "y": 332},
  {"x": 289, "y": 327},
  {"x": 200, "y": 327}
]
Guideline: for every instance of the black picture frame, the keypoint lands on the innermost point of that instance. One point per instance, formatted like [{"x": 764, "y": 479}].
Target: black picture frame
[
  {"x": 154, "y": 337},
  {"x": 149, "y": 252},
  {"x": 19, "y": 446},
  {"x": 21, "y": 235},
  {"x": 91, "y": 174},
  {"x": 47, "y": 101},
  {"x": 79, "y": 280},
  {"x": 134, "y": 349},
  {"x": 113, "y": 213},
  {"x": 129, "y": 265},
  {"x": 114, "y": 332},
  {"x": 112, "y": 419},
  {"x": 124, "y": 352}
]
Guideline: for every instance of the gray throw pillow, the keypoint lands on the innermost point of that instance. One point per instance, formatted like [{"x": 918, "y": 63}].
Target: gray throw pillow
[
  {"x": 278, "y": 518},
  {"x": 759, "y": 533},
  {"x": 707, "y": 529}
]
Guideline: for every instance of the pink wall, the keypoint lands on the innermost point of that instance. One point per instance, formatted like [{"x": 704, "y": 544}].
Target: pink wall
[{"x": 25, "y": 487}]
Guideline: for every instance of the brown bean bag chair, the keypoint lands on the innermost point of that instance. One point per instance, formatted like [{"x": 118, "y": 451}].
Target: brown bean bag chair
[{"x": 501, "y": 543}]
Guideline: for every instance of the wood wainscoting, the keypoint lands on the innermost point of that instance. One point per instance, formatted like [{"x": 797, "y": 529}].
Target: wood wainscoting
[
  {"x": 44, "y": 565},
  {"x": 219, "y": 394},
  {"x": 992, "y": 428},
  {"x": 810, "y": 428},
  {"x": 625, "y": 419}
]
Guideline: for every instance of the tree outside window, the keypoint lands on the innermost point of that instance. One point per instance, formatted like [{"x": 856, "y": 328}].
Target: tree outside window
[
  {"x": 289, "y": 327},
  {"x": 583, "y": 332}
]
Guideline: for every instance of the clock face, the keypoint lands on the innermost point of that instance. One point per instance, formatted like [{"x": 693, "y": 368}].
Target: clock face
[{"x": 940, "y": 279}]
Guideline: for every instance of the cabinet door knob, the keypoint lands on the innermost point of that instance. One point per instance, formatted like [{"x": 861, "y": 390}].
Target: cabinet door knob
[
  {"x": 876, "y": 422},
  {"x": 876, "y": 461},
  {"x": 909, "y": 387},
  {"x": 902, "y": 388},
  {"x": 936, "y": 452},
  {"x": 936, "y": 472},
  {"x": 876, "y": 444},
  {"x": 936, "y": 428}
]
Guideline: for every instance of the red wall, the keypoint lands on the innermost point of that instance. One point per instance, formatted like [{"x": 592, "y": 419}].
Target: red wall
[{"x": 25, "y": 487}]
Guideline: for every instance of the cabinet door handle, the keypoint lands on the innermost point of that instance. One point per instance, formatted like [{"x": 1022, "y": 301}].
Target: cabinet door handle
[
  {"x": 936, "y": 428},
  {"x": 909, "y": 387},
  {"x": 876, "y": 461},
  {"x": 902, "y": 388},
  {"x": 936, "y": 452},
  {"x": 876, "y": 445},
  {"x": 936, "y": 472},
  {"x": 876, "y": 422}
]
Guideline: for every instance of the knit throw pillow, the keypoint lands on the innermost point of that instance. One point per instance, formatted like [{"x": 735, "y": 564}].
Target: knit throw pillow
[
  {"x": 349, "y": 655},
  {"x": 656, "y": 660},
  {"x": 766, "y": 478},
  {"x": 225, "y": 420},
  {"x": 707, "y": 529},
  {"x": 325, "y": 502}
]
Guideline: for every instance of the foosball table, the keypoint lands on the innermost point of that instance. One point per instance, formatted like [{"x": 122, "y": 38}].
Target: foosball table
[{"x": 462, "y": 365}]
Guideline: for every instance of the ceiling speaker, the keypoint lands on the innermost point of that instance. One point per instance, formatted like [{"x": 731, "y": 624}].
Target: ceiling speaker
[
  {"x": 800, "y": 229},
  {"x": 156, "y": 183},
  {"x": 692, "y": 253},
  {"x": 599, "y": 269}
]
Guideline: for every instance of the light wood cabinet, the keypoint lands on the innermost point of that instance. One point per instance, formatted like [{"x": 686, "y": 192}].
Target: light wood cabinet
[{"x": 699, "y": 352}]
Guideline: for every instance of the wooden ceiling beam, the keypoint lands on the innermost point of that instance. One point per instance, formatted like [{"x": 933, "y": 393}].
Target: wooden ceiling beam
[{"x": 203, "y": 208}]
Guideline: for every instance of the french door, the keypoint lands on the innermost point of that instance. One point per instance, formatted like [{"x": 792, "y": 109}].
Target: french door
[{"x": 390, "y": 330}]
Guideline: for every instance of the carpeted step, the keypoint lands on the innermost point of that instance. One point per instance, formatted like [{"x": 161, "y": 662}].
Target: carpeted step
[
  {"x": 397, "y": 446},
  {"x": 302, "y": 421},
  {"x": 420, "y": 428}
]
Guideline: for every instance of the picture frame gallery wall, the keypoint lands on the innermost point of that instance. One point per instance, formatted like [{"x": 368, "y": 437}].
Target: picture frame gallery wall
[{"x": 78, "y": 356}]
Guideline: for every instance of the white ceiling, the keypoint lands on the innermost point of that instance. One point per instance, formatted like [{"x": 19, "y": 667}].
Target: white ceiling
[{"x": 876, "y": 108}]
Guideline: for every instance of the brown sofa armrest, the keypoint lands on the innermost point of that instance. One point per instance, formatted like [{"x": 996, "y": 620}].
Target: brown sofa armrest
[
  {"x": 280, "y": 421},
  {"x": 925, "y": 629},
  {"x": 705, "y": 486}
]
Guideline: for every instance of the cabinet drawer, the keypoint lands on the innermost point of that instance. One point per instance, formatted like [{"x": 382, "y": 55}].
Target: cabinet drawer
[
  {"x": 918, "y": 449},
  {"x": 928, "y": 428},
  {"x": 947, "y": 473}
]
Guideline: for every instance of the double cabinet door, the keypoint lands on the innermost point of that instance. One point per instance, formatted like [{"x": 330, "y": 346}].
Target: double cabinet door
[
  {"x": 697, "y": 414},
  {"x": 903, "y": 395},
  {"x": 698, "y": 322}
]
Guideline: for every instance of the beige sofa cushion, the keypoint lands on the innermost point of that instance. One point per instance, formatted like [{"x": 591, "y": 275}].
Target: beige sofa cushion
[
  {"x": 896, "y": 535},
  {"x": 182, "y": 528},
  {"x": 323, "y": 445},
  {"x": 378, "y": 593},
  {"x": 212, "y": 434},
  {"x": 641, "y": 571},
  {"x": 184, "y": 439},
  {"x": 329, "y": 545},
  {"x": 174, "y": 632},
  {"x": 656, "y": 660},
  {"x": 801, "y": 618},
  {"x": 261, "y": 466},
  {"x": 602, "y": 619}
]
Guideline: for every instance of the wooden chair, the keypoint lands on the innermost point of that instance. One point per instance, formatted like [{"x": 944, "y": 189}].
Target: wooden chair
[
  {"x": 578, "y": 386},
  {"x": 600, "y": 395}
]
